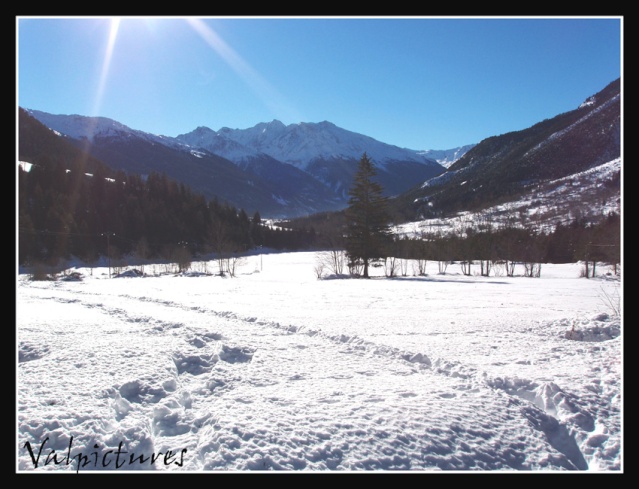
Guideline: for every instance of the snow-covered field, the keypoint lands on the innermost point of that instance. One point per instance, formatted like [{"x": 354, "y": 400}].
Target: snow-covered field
[{"x": 277, "y": 370}]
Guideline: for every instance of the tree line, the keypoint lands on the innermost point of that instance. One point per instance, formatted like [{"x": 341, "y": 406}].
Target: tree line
[
  {"x": 366, "y": 238},
  {"x": 64, "y": 212},
  {"x": 479, "y": 250},
  {"x": 75, "y": 207}
]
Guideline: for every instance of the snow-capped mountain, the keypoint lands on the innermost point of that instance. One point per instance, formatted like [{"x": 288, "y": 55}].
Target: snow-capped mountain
[
  {"x": 301, "y": 144},
  {"x": 591, "y": 194},
  {"x": 307, "y": 167},
  {"x": 327, "y": 152},
  {"x": 446, "y": 157},
  {"x": 203, "y": 137},
  {"x": 273, "y": 188},
  {"x": 80, "y": 127},
  {"x": 300, "y": 169},
  {"x": 89, "y": 128}
]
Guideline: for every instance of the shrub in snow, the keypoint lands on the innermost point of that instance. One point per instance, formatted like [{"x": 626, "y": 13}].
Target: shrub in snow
[
  {"x": 73, "y": 277},
  {"x": 134, "y": 272}
]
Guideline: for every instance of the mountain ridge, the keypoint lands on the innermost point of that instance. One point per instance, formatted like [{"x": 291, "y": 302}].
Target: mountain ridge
[
  {"x": 304, "y": 168},
  {"x": 301, "y": 143},
  {"x": 501, "y": 167}
]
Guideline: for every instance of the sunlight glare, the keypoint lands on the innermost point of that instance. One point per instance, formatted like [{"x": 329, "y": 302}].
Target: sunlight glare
[
  {"x": 274, "y": 100},
  {"x": 113, "y": 34}
]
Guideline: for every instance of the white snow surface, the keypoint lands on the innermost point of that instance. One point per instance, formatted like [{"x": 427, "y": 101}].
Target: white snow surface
[{"x": 276, "y": 370}]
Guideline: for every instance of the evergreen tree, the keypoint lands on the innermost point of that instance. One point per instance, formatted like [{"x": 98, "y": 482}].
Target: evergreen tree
[{"x": 368, "y": 231}]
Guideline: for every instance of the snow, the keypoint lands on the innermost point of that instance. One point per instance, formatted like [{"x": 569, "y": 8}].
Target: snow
[
  {"x": 25, "y": 166},
  {"x": 79, "y": 127},
  {"x": 447, "y": 157},
  {"x": 84, "y": 127},
  {"x": 553, "y": 201},
  {"x": 277, "y": 370},
  {"x": 299, "y": 144}
]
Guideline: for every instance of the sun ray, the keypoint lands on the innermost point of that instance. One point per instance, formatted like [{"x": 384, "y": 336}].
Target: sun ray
[
  {"x": 113, "y": 34},
  {"x": 267, "y": 93}
]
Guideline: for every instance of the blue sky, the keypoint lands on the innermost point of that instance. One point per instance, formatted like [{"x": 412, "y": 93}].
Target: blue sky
[{"x": 418, "y": 83}]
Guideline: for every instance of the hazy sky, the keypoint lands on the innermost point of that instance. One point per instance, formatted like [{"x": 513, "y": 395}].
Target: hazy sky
[{"x": 418, "y": 83}]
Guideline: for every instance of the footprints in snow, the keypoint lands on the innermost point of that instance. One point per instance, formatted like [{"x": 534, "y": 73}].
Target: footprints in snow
[
  {"x": 200, "y": 341},
  {"x": 552, "y": 411},
  {"x": 198, "y": 364},
  {"x": 204, "y": 354},
  {"x": 558, "y": 436},
  {"x": 165, "y": 401},
  {"x": 28, "y": 352}
]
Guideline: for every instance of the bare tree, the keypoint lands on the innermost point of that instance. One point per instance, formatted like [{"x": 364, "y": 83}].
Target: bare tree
[
  {"x": 419, "y": 266},
  {"x": 403, "y": 267},
  {"x": 532, "y": 269},
  {"x": 442, "y": 265},
  {"x": 355, "y": 267},
  {"x": 182, "y": 257},
  {"x": 336, "y": 260},
  {"x": 333, "y": 260},
  {"x": 233, "y": 262},
  {"x": 319, "y": 269},
  {"x": 221, "y": 245},
  {"x": 391, "y": 265},
  {"x": 142, "y": 252},
  {"x": 532, "y": 252}
]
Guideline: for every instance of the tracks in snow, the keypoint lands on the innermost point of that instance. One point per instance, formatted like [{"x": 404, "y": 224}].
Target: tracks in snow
[{"x": 546, "y": 407}]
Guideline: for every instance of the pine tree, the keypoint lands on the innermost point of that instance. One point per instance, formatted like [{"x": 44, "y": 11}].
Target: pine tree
[{"x": 368, "y": 231}]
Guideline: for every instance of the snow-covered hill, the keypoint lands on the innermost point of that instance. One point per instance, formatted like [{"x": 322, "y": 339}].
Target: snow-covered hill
[
  {"x": 501, "y": 168},
  {"x": 587, "y": 195}
]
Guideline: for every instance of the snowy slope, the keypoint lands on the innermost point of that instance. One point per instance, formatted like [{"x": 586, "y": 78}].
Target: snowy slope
[
  {"x": 583, "y": 194},
  {"x": 84, "y": 127},
  {"x": 203, "y": 137},
  {"x": 446, "y": 157}
]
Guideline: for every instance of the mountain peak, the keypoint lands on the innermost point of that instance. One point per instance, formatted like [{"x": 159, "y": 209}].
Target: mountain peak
[
  {"x": 202, "y": 130},
  {"x": 326, "y": 124}
]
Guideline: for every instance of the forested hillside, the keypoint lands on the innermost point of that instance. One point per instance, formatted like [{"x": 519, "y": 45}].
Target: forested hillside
[
  {"x": 72, "y": 205},
  {"x": 505, "y": 167}
]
